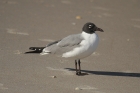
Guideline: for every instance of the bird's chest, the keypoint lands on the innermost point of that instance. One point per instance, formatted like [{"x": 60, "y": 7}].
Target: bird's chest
[
  {"x": 90, "y": 43},
  {"x": 87, "y": 47}
]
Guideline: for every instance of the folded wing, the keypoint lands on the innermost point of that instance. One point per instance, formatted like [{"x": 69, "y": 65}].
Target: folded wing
[{"x": 66, "y": 44}]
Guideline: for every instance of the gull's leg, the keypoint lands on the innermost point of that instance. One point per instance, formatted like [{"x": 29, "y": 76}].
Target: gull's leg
[
  {"x": 79, "y": 72},
  {"x": 76, "y": 67}
]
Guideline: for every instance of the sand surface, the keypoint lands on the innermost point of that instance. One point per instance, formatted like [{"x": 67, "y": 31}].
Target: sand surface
[{"x": 113, "y": 68}]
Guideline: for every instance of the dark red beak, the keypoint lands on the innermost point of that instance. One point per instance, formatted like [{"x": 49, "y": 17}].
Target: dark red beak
[{"x": 99, "y": 29}]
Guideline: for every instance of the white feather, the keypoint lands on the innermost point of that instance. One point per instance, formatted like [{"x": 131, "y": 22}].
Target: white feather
[{"x": 87, "y": 47}]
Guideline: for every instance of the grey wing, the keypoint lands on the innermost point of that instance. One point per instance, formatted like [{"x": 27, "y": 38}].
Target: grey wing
[
  {"x": 52, "y": 43},
  {"x": 71, "y": 40},
  {"x": 64, "y": 45}
]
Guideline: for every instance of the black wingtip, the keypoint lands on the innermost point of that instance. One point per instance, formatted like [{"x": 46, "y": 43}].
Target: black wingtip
[
  {"x": 36, "y": 50},
  {"x": 29, "y": 52}
]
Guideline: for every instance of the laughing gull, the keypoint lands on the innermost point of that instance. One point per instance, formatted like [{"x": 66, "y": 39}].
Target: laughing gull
[{"x": 77, "y": 46}]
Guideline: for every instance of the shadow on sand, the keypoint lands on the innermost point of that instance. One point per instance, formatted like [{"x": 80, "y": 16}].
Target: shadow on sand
[{"x": 108, "y": 73}]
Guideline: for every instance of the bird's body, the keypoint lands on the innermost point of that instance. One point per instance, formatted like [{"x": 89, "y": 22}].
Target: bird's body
[
  {"x": 75, "y": 46},
  {"x": 86, "y": 47},
  {"x": 83, "y": 47}
]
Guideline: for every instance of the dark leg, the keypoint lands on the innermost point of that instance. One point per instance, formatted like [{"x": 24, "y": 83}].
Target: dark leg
[
  {"x": 79, "y": 72},
  {"x": 76, "y": 67}
]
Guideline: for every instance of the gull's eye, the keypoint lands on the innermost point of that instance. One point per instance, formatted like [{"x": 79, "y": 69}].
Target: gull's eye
[{"x": 90, "y": 26}]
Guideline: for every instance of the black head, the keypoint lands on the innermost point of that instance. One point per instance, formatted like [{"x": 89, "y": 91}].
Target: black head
[{"x": 91, "y": 28}]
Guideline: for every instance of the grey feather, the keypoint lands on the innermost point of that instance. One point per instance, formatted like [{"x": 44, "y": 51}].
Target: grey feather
[
  {"x": 52, "y": 43},
  {"x": 71, "y": 40},
  {"x": 66, "y": 44}
]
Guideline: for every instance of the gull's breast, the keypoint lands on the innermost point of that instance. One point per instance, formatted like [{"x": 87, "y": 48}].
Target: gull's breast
[{"x": 87, "y": 47}]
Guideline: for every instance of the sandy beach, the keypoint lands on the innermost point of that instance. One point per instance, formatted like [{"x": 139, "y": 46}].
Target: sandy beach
[{"x": 113, "y": 68}]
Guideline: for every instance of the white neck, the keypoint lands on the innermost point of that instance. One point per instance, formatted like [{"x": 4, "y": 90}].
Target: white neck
[{"x": 87, "y": 35}]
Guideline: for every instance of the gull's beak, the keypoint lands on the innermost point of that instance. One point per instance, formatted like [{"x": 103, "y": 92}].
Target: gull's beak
[{"x": 99, "y": 29}]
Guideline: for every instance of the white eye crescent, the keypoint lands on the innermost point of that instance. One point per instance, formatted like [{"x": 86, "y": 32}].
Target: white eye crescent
[{"x": 90, "y": 26}]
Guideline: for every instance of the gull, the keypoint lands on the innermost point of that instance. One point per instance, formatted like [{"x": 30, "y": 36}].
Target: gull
[{"x": 76, "y": 46}]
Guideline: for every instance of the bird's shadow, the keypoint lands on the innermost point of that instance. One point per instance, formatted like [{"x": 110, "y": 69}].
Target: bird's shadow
[{"x": 108, "y": 73}]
